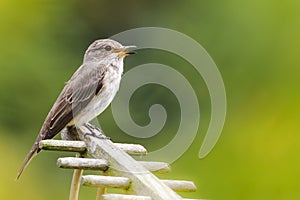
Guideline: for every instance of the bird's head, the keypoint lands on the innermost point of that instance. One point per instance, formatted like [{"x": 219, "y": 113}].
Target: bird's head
[{"x": 106, "y": 49}]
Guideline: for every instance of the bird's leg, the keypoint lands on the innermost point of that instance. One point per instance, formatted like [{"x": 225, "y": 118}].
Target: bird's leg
[
  {"x": 70, "y": 133},
  {"x": 99, "y": 134}
]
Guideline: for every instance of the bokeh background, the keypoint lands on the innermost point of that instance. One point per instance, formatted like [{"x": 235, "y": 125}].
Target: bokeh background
[{"x": 255, "y": 44}]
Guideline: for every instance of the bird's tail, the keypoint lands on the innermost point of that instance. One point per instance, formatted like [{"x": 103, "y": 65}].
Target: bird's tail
[{"x": 34, "y": 150}]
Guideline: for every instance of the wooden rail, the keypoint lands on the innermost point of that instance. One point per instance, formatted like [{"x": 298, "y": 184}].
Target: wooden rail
[{"x": 120, "y": 170}]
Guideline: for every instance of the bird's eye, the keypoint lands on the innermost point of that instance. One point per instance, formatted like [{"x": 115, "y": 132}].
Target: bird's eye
[{"x": 107, "y": 48}]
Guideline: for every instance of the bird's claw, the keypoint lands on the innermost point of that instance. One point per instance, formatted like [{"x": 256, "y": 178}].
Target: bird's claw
[{"x": 92, "y": 129}]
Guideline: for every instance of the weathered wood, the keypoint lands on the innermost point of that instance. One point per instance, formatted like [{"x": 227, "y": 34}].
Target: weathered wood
[
  {"x": 143, "y": 182},
  {"x": 79, "y": 146},
  {"x": 180, "y": 185},
  {"x": 132, "y": 149},
  {"x": 100, "y": 192},
  {"x": 63, "y": 145},
  {"x": 82, "y": 163},
  {"x": 156, "y": 167},
  {"x": 105, "y": 181},
  {"x": 124, "y": 197},
  {"x": 75, "y": 185},
  {"x": 127, "y": 173}
]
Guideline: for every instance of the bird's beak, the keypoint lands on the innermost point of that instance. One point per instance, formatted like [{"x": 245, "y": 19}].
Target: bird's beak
[{"x": 126, "y": 51}]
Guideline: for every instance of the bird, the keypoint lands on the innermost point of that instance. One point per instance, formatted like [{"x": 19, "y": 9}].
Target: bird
[{"x": 87, "y": 94}]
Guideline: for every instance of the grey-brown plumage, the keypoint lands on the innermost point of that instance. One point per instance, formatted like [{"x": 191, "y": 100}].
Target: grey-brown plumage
[{"x": 89, "y": 91}]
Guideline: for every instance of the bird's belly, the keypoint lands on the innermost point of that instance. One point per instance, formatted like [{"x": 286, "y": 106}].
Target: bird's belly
[{"x": 100, "y": 102}]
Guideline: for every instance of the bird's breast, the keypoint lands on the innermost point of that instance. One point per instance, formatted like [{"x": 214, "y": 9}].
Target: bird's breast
[{"x": 111, "y": 82}]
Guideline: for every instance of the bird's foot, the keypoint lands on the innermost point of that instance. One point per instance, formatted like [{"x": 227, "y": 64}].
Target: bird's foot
[{"x": 98, "y": 133}]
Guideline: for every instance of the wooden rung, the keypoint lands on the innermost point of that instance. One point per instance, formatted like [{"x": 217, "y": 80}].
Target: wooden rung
[
  {"x": 105, "y": 181},
  {"x": 123, "y": 197},
  {"x": 63, "y": 145},
  {"x": 132, "y": 149},
  {"x": 142, "y": 182},
  {"x": 79, "y": 146},
  {"x": 156, "y": 167},
  {"x": 180, "y": 186},
  {"x": 82, "y": 163}
]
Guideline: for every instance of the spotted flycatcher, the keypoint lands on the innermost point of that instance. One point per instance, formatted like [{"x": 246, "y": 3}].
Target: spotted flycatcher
[{"x": 87, "y": 94}]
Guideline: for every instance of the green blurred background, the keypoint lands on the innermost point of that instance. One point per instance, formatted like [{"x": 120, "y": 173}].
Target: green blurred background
[{"x": 255, "y": 44}]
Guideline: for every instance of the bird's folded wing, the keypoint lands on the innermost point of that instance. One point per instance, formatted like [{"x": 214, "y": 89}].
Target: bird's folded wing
[{"x": 79, "y": 91}]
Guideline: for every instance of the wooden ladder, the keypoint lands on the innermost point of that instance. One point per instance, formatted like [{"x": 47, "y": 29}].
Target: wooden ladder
[{"x": 119, "y": 169}]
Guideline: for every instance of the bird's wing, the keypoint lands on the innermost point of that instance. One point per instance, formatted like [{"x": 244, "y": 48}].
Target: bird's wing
[
  {"x": 78, "y": 92},
  {"x": 86, "y": 82}
]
